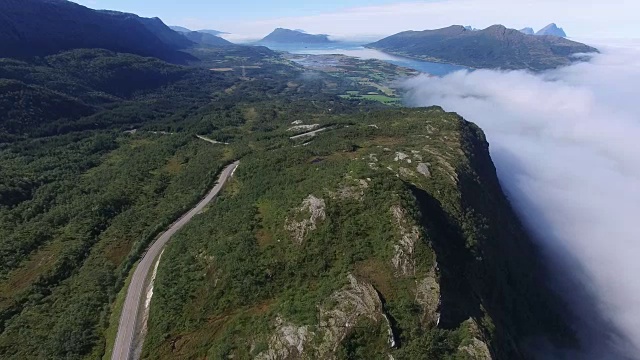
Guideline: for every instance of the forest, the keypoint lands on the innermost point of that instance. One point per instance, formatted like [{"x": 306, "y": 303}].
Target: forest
[{"x": 99, "y": 154}]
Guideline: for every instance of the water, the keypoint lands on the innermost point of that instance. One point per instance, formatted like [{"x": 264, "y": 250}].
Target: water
[{"x": 357, "y": 50}]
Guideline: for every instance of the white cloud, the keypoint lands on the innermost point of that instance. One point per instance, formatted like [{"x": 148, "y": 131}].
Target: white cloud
[
  {"x": 614, "y": 18},
  {"x": 567, "y": 148}
]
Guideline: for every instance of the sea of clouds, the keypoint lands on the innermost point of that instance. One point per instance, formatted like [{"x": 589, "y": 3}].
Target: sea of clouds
[{"x": 566, "y": 144}]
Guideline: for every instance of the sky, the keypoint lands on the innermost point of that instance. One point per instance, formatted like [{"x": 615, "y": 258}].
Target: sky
[
  {"x": 346, "y": 19},
  {"x": 565, "y": 145}
]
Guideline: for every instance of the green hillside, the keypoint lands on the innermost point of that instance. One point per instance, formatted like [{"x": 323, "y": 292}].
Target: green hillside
[
  {"x": 384, "y": 233},
  {"x": 389, "y": 227}
]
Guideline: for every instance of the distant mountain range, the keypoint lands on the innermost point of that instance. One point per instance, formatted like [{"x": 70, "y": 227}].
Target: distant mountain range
[
  {"x": 185, "y": 30},
  {"x": 179, "y": 29},
  {"x": 528, "y": 31},
  {"x": 493, "y": 47},
  {"x": 551, "y": 30},
  {"x": 287, "y": 36},
  {"x": 207, "y": 39}
]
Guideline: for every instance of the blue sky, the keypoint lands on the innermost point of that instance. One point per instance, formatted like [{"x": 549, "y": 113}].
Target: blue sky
[
  {"x": 360, "y": 19},
  {"x": 228, "y": 10}
]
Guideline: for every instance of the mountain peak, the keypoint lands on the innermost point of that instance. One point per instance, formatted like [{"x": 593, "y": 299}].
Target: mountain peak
[
  {"x": 528, "y": 31},
  {"x": 552, "y": 30}
]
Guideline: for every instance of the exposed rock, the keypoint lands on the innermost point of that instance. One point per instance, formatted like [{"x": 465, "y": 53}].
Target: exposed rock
[
  {"x": 355, "y": 192},
  {"x": 355, "y": 301},
  {"x": 475, "y": 348},
  {"x": 303, "y": 127},
  {"x": 424, "y": 169},
  {"x": 403, "y": 259},
  {"x": 298, "y": 229},
  {"x": 406, "y": 172},
  {"x": 287, "y": 341},
  {"x": 297, "y": 122},
  {"x": 337, "y": 317},
  {"x": 446, "y": 164},
  {"x": 400, "y": 156},
  {"x": 428, "y": 297}
]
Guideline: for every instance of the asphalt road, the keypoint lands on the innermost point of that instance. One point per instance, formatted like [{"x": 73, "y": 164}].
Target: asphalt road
[{"x": 133, "y": 304}]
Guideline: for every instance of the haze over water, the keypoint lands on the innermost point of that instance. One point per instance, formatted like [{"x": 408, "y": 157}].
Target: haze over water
[{"x": 359, "y": 51}]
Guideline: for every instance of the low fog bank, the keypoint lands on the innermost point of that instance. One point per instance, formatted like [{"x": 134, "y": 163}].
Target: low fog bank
[{"x": 566, "y": 145}]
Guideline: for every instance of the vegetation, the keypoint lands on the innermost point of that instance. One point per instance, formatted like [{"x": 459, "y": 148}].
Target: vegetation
[
  {"x": 398, "y": 208},
  {"x": 80, "y": 199},
  {"x": 78, "y": 212},
  {"x": 240, "y": 275}
]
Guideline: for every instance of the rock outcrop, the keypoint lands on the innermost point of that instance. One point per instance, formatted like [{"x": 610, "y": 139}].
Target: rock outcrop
[
  {"x": 403, "y": 257},
  {"x": 315, "y": 207}
]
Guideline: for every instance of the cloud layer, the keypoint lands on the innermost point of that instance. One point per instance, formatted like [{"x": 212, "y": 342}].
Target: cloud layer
[
  {"x": 615, "y": 18},
  {"x": 567, "y": 148}
]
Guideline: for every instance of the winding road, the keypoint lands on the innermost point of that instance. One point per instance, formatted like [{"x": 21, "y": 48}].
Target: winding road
[{"x": 130, "y": 318}]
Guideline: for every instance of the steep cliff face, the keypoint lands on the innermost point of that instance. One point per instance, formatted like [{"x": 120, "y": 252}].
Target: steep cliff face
[
  {"x": 385, "y": 241},
  {"x": 497, "y": 270}
]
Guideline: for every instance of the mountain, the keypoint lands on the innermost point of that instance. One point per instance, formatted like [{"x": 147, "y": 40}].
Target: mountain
[
  {"x": 45, "y": 27},
  {"x": 203, "y": 38},
  {"x": 286, "y": 36},
  {"x": 212, "y": 32},
  {"x": 45, "y": 98},
  {"x": 156, "y": 27},
  {"x": 552, "y": 30},
  {"x": 527, "y": 31},
  {"x": 179, "y": 29},
  {"x": 493, "y": 47}
]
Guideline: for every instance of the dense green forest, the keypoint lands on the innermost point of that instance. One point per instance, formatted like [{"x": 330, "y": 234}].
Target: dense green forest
[
  {"x": 98, "y": 155},
  {"x": 398, "y": 209},
  {"x": 76, "y": 212}
]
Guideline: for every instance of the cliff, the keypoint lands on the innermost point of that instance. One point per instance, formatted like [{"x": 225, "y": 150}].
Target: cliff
[{"x": 387, "y": 236}]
